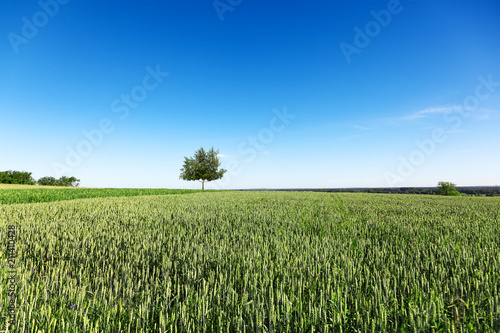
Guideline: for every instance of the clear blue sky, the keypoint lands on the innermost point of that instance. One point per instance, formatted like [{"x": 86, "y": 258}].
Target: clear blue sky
[{"x": 293, "y": 93}]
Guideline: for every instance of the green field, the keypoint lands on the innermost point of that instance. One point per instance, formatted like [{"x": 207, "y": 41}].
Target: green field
[
  {"x": 255, "y": 262},
  {"x": 32, "y": 194}
]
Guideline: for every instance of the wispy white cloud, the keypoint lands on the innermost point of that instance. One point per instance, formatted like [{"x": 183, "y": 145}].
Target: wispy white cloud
[
  {"x": 452, "y": 131},
  {"x": 433, "y": 111},
  {"x": 480, "y": 113}
]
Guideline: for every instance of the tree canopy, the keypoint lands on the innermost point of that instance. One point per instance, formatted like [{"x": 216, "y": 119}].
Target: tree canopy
[
  {"x": 63, "y": 181},
  {"x": 16, "y": 177},
  {"x": 25, "y": 178},
  {"x": 204, "y": 167},
  {"x": 447, "y": 188}
]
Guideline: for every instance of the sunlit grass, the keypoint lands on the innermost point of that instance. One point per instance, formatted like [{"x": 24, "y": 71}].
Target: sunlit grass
[
  {"x": 257, "y": 261},
  {"x": 17, "y": 194}
]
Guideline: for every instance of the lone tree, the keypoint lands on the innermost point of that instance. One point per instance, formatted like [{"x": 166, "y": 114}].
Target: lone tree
[
  {"x": 447, "y": 188},
  {"x": 202, "y": 167}
]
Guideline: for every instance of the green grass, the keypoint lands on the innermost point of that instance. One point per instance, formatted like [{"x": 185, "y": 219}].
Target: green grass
[
  {"x": 256, "y": 262},
  {"x": 33, "y": 194}
]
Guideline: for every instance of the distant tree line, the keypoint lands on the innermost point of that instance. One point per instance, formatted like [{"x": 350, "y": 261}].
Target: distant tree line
[
  {"x": 16, "y": 177},
  {"x": 25, "y": 178},
  {"x": 480, "y": 191},
  {"x": 472, "y": 191},
  {"x": 63, "y": 181}
]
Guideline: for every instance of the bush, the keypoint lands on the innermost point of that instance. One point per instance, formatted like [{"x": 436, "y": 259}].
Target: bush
[
  {"x": 50, "y": 181},
  {"x": 63, "y": 181},
  {"x": 16, "y": 177},
  {"x": 68, "y": 181},
  {"x": 447, "y": 188}
]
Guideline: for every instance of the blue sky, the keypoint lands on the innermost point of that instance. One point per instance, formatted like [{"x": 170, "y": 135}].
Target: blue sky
[{"x": 292, "y": 93}]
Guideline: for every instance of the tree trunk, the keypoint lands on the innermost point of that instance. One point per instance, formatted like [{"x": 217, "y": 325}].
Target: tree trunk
[{"x": 203, "y": 184}]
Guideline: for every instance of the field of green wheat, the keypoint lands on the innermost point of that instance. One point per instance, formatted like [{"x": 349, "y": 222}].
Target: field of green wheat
[
  {"x": 16, "y": 194},
  {"x": 253, "y": 262}
]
